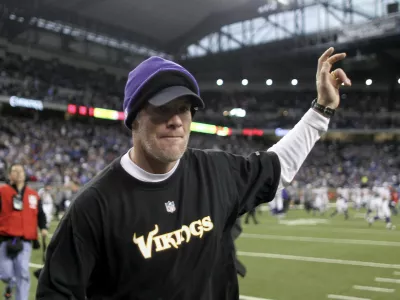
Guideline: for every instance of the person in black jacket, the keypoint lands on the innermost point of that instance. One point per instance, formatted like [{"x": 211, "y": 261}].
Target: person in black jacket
[{"x": 156, "y": 223}]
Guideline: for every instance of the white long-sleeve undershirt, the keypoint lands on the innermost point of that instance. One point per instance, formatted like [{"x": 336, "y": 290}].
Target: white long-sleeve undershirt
[
  {"x": 292, "y": 150},
  {"x": 295, "y": 146}
]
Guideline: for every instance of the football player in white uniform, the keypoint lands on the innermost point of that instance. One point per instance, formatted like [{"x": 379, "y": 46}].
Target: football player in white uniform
[
  {"x": 365, "y": 197},
  {"x": 342, "y": 203},
  {"x": 47, "y": 202},
  {"x": 276, "y": 205},
  {"x": 321, "y": 200},
  {"x": 380, "y": 204},
  {"x": 357, "y": 197}
]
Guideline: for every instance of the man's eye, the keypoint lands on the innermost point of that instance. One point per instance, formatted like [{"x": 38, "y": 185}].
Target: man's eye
[
  {"x": 165, "y": 110},
  {"x": 162, "y": 109},
  {"x": 184, "y": 109}
]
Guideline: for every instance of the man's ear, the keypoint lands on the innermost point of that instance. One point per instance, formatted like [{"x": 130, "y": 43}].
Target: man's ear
[
  {"x": 135, "y": 122},
  {"x": 135, "y": 125}
]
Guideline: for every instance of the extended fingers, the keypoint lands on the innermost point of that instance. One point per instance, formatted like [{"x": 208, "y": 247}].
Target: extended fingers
[
  {"x": 326, "y": 61},
  {"x": 340, "y": 76},
  {"x": 325, "y": 55},
  {"x": 335, "y": 58}
]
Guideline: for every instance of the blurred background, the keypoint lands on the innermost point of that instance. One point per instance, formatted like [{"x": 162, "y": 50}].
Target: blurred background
[{"x": 64, "y": 64}]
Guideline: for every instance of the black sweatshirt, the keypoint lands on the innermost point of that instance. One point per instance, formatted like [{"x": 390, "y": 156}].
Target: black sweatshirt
[{"x": 127, "y": 239}]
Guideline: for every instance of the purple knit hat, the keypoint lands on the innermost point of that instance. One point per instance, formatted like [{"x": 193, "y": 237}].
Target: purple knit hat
[{"x": 158, "y": 81}]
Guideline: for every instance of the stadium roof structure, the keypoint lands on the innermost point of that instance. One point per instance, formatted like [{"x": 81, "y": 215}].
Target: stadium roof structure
[
  {"x": 227, "y": 36},
  {"x": 172, "y": 26},
  {"x": 157, "y": 24}
]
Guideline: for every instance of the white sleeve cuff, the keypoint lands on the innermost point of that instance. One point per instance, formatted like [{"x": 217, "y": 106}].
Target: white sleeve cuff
[{"x": 316, "y": 120}]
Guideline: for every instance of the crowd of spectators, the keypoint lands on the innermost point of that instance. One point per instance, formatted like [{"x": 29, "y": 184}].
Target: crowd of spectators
[
  {"x": 53, "y": 148},
  {"x": 56, "y": 82}
]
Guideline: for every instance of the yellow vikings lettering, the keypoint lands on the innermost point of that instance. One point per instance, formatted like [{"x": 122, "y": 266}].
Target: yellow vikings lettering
[
  {"x": 172, "y": 239},
  {"x": 145, "y": 248}
]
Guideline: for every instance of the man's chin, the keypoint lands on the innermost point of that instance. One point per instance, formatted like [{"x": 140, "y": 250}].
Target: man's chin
[
  {"x": 171, "y": 157},
  {"x": 171, "y": 154}
]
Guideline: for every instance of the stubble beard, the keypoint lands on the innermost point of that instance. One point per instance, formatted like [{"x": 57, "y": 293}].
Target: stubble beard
[{"x": 163, "y": 155}]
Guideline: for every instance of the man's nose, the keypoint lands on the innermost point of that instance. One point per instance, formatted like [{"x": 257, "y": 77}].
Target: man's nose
[{"x": 175, "y": 121}]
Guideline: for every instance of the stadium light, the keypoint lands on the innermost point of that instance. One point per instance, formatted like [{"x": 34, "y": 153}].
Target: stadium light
[
  {"x": 283, "y": 2},
  {"x": 237, "y": 112},
  {"x": 294, "y": 82},
  {"x": 220, "y": 82},
  {"x": 245, "y": 82},
  {"x": 398, "y": 81},
  {"x": 368, "y": 81},
  {"x": 269, "y": 82}
]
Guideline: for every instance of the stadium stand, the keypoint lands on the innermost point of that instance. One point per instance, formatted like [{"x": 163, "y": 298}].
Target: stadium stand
[
  {"x": 54, "y": 147},
  {"x": 52, "y": 81},
  {"x": 83, "y": 149}
]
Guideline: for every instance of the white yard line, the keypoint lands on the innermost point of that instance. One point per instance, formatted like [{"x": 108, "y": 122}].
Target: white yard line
[
  {"x": 373, "y": 289},
  {"x": 32, "y": 265},
  {"x": 251, "y": 298},
  {"x": 340, "y": 297},
  {"x": 396, "y": 273},
  {"x": 381, "y": 230},
  {"x": 320, "y": 260},
  {"x": 338, "y": 229},
  {"x": 388, "y": 280},
  {"x": 319, "y": 240}
]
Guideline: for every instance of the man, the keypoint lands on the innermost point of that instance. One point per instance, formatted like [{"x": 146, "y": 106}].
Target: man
[
  {"x": 321, "y": 200},
  {"x": 156, "y": 223},
  {"x": 308, "y": 198},
  {"x": 20, "y": 215},
  {"x": 46, "y": 196},
  {"x": 3, "y": 164},
  {"x": 276, "y": 205},
  {"x": 374, "y": 202},
  {"x": 342, "y": 199},
  {"x": 252, "y": 214},
  {"x": 365, "y": 197},
  {"x": 381, "y": 204},
  {"x": 357, "y": 197},
  {"x": 394, "y": 199}
]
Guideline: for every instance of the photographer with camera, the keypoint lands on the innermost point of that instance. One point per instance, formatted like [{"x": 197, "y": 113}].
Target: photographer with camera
[{"x": 21, "y": 213}]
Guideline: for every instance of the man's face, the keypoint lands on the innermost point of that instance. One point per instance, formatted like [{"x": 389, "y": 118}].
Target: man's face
[
  {"x": 17, "y": 174},
  {"x": 163, "y": 132}
]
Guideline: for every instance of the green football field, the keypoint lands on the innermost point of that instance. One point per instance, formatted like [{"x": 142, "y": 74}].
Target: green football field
[{"x": 309, "y": 257}]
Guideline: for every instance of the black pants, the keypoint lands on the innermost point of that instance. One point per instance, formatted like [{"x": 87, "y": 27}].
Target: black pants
[{"x": 252, "y": 214}]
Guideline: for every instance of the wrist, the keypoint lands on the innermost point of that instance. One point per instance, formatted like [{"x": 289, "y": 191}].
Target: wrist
[
  {"x": 323, "y": 110},
  {"x": 318, "y": 112},
  {"x": 325, "y": 104}
]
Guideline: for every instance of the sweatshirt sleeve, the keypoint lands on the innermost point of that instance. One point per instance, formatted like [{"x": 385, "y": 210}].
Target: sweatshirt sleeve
[
  {"x": 246, "y": 177},
  {"x": 73, "y": 251},
  {"x": 295, "y": 146}
]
